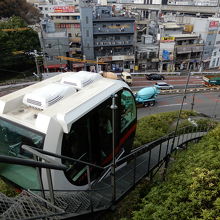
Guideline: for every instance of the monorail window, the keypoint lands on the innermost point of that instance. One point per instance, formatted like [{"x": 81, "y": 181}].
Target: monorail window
[
  {"x": 12, "y": 137},
  {"x": 90, "y": 139},
  {"x": 128, "y": 109}
]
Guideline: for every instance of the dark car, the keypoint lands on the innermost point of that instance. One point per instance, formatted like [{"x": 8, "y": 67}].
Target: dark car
[{"x": 155, "y": 76}]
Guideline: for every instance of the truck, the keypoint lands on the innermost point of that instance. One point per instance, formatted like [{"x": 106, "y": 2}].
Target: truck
[
  {"x": 211, "y": 80},
  {"x": 147, "y": 96},
  {"x": 126, "y": 77}
]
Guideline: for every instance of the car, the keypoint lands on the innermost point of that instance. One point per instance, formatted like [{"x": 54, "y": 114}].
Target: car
[
  {"x": 155, "y": 76},
  {"x": 163, "y": 85}
]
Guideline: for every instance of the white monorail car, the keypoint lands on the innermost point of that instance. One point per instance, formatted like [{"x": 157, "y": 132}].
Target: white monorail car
[{"x": 69, "y": 114}]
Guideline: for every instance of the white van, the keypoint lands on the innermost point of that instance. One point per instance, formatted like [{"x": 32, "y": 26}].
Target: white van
[{"x": 126, "y": 77}]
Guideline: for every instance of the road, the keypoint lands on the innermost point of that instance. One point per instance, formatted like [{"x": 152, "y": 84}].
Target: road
[
  {"x": 178, "y": 82},
  {"x": 207, "y": 103}
]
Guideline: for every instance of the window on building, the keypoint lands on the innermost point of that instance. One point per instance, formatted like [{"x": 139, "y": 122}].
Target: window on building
[
  {"x": 50, "y": 58},
  {"x": 217, "y": 42},
  {"x": 87, "y": 33},
  {"x": 217, "y": 64},
  {"x": 104, "y": 38},
  {"x": 214, "y": 53},
  {"x": 117, "y": 38},
  {"x": 87, "y": 20}
]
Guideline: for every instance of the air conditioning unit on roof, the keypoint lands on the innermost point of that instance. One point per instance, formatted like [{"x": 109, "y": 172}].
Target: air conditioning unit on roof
[
  {"x": 48, "y": 95},
  {"x": 81, "y": 79}
]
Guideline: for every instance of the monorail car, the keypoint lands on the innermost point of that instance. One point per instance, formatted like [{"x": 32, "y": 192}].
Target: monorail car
[{"x": 69, "y": 114}]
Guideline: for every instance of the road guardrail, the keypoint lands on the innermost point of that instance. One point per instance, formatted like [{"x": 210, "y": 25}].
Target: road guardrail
[{"x": 190, "y": 90}]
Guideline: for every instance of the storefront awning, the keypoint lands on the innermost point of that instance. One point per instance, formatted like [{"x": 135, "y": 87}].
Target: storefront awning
[{"x": 54, "y": 66}]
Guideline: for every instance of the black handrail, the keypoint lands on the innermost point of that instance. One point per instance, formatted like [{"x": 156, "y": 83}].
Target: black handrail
[
  {"x": 29, "y": 162},
  {"x": 67, "y": 158}
]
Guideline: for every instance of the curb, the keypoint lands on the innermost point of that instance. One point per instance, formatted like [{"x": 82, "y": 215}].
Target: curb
[{"x": 191, "y": 90}]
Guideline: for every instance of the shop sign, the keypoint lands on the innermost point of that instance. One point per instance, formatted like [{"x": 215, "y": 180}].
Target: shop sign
[
  {"x": 167, "y": 39},
  {"x": 104, "y": 59},
  {"x": 123, "y": 57},
  {"x": 64, "y": 9},
  {"x": 213, "y": 24}
]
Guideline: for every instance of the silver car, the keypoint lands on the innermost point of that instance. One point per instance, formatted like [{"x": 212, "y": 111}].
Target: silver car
[{"x": 163, "y": 85}]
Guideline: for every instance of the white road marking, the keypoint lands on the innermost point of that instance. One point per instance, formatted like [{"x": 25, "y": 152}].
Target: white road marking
[{"x": 172, "y": 104}]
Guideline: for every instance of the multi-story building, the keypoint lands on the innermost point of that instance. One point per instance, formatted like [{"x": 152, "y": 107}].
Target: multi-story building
[
  {"x": 108, "y": 38},
  {"x": 147, "y": 54},
  {"x": 209, "y": 30},
  {"x": 68, "y": 18},
  {"x": 181, "y": 52},
  {"x": 188, "y": 51},
  {"x": 53, "y": 44}
]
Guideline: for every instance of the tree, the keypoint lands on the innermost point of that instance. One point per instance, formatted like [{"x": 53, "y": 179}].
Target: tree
[
  {"x": 19, "y": 8},
  {"x": 13, "y": 41}
]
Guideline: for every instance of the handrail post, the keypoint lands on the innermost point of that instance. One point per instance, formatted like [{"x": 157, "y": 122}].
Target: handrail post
[
  {"x": 50, "y": 185},
  {"x": 113, "y": 181},
  {"x": 89, "y": 183},
  {"x": 134, "y": 176},
  {"x": 39, "y": 178}
]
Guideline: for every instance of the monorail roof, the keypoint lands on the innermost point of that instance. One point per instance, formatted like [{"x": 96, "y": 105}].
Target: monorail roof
[{"x": 63, "y": 112}]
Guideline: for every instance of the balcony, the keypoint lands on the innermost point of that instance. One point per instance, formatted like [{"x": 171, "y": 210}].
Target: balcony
[
  {"x": 123, "y": 28},
  {"x": 114, "y": 19},
  {"x": 189, "y": 48},
  {"x": 113, "y": 43}
]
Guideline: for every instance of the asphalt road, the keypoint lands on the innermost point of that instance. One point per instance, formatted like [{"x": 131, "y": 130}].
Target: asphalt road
[
  {"x": 178, "y": 82},
  {"x": 207, "y": 103}
]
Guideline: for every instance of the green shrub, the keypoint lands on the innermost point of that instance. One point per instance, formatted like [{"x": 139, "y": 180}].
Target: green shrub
[
  {"x": 7, "y": 189},
  {"x": 192, "y": 186},
  {"x": 152, "y": 127}
]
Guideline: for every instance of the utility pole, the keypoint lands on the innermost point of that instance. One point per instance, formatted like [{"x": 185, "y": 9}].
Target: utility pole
[
  {"x": 37, "y": 66},
  {"x": 113, "y": 108},
  {"x": 193, "y": 100},
  {"x": 181, "y": 108}
]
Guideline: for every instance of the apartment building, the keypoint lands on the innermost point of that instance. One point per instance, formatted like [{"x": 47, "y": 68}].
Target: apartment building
[
  {"x": 180, "y": 52},
  {"x": 108, "y": 38}
]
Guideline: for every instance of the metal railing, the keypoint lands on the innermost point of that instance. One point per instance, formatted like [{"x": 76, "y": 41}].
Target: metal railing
[{"x": 137, "y": 164}]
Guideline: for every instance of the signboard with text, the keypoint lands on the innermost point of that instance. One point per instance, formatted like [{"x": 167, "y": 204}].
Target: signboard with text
[
  {"x": 167, "y": 39},
  {"x": 213, "y": 24},
  {"x": 64, "y": 9}
]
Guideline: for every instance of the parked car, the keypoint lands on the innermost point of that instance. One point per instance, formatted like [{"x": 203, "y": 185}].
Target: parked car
[
  {"x": 155, "y": 76},
  {"x": 163, "y": 85}
]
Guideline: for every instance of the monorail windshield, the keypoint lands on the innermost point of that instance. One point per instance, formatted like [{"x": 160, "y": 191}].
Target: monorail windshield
[
  {"x": 90, "y": 137},
  {"x": 12, "y": 137}
]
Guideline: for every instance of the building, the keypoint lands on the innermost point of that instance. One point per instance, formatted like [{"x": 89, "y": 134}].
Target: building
[
  {"x": 53, "y": 44},
  {"x": 181, "y": 52},
  {"x": 147, "y": 54},
  {"x": 188, "y": 52},
  {"x": 68, "y": 18},
  {"x": 108, "y": 37},
  {"x": 209, "y": 30}
]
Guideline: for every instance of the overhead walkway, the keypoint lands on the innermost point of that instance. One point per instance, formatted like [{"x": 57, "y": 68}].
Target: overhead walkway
[{"x": 117, "y": 179}]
